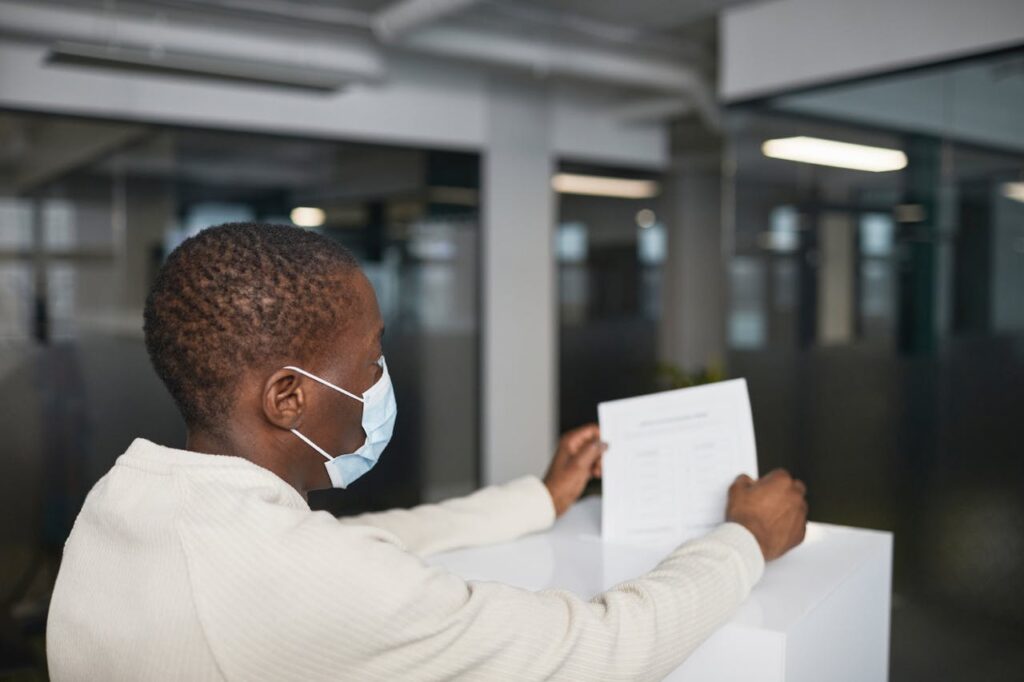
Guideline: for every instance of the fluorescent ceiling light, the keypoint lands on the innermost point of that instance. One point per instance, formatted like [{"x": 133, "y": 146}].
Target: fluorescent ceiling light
[
  {"x": 836, "y": 154},
  {"x": 308, "y": 216},
  {"x": 1014, "y": 190},
  {"x": 645, "y": 218},
  {"x": 602, "y": 186},
  {"x": 146, "y": 60}
]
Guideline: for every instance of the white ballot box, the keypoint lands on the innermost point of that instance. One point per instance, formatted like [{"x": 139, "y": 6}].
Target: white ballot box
[{"x": 820, "y": 613}]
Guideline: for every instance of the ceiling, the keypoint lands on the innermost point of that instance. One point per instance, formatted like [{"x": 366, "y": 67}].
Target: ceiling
[
  {"x": 647, "y": 24},
  {"x": 657, "y": 15},
  {"x": 676, "y": 33},
  {"x": 660, "y": 55},
  {"x": 650, "y": 14}
]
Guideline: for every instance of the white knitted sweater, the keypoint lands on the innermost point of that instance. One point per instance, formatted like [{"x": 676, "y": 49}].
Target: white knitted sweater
[{"x": 185, "y": 566}]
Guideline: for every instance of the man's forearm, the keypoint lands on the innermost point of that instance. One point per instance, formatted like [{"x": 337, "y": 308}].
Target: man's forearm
[{"x": 490, "y": 515}]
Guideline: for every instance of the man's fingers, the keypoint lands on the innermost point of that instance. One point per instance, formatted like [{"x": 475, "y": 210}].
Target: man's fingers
[
  {"x": 800, "y": 487},
  {"x": 742, "y": 481},
  {"x": 590, "y": 453},
  {"x": 776, "y": 478},
  {"x": 578, "y": 437}
]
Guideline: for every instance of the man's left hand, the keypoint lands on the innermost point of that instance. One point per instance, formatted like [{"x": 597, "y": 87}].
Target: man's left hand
[{"x": 577, "y": 460}]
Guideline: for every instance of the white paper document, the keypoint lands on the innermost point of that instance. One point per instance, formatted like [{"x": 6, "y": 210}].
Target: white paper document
[{"x": 670, "y": 461}]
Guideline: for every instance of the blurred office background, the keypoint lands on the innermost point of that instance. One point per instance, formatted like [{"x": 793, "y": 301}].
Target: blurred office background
[{"x": 559, "y": 202}]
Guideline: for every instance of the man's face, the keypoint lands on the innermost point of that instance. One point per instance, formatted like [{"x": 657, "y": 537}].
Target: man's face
[{"x": 334, "y": 420}]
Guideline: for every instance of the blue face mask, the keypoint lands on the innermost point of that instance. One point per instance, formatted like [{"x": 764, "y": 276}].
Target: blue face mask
[{"x": 379, "y": 412}]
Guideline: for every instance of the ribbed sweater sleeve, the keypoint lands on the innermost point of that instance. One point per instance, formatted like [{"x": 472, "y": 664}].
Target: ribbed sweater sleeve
[
  {"x": 304, "y": 597},
  {"x": 494, "y": 514}
]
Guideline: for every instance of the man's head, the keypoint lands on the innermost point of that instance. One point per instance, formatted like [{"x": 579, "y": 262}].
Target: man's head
[{"x": 233, "y": 306}]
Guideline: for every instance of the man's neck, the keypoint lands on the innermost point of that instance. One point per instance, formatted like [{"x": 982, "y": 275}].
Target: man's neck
[{"x": 209, "y": 442}]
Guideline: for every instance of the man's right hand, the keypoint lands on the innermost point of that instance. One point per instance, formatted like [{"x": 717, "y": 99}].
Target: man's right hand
[{"x": 773, "y": 508}]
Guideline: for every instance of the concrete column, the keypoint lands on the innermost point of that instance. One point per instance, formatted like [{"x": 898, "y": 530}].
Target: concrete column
[
  {"x": 836, "y": 278},
  {"x": 692, "y": 332},
  {"x": 518, "y": 307}
]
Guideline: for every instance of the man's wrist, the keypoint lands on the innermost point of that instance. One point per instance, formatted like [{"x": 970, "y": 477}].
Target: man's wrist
[
  {"x": 557, "y": 499},
  {"x": 751, "y": 528},
  {"x": 747, "y": 545}
]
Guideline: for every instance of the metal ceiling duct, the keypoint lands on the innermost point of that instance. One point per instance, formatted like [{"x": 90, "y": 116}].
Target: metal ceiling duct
[
  {"x": 405, "y": 16},
  {"x": 608, "y": 65}
]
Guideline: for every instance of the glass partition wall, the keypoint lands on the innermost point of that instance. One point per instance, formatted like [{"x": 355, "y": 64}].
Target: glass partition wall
[
  {"x": 89, "y": 210},
  {"x": 610, "y": 247},
  {"x": 877, "y": 311}
]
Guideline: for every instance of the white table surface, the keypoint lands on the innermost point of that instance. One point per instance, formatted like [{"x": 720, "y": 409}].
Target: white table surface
[{"x": 820, "y": 612}]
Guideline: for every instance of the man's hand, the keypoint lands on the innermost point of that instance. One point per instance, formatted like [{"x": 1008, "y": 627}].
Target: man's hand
[
  {"x": 577, "y": 460},
  {"x": 772, "y": 508}
]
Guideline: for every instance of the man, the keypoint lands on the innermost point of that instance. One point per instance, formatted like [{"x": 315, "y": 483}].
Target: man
[{"x": 207, "y": 564}]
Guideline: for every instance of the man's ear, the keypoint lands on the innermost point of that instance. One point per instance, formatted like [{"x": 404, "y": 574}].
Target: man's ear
[{"x": 284, "y": 399}]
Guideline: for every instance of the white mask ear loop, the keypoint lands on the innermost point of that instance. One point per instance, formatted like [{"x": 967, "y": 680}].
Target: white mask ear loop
[
  {"x": 328, "y": 384},
  {"x": 312, "y": 444},
  {"x": 324, "y": 382}
]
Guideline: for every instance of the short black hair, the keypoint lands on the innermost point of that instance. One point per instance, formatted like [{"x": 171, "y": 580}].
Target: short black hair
[{"x": 236, "y": 296}]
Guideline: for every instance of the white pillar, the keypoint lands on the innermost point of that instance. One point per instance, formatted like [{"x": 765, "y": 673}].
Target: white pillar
[{"x": 518, "y": 307}]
